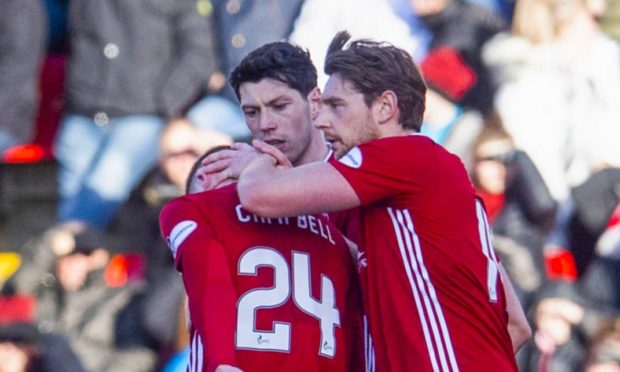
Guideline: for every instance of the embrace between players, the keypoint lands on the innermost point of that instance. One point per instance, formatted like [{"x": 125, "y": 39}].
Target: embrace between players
[{"x": 272, "y": 282}]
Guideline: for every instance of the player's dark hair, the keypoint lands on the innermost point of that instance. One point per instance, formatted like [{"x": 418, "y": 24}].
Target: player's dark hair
[
  {"x": 281, "y": 61},
  {"x": 375, "y": 67},
  {"x": 198, "y": 162}
]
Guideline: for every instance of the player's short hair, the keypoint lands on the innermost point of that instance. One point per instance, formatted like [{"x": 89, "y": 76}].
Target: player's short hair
[
  {"x": 198, "y": 163},
  {"x": 281, "y": 61},
  {"x": 375, "y": 67}
]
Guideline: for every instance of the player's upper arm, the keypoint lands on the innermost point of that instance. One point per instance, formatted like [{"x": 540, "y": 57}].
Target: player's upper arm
[
  {"x": 207, "y": 278},
  {"x": 182, "y": 225}
]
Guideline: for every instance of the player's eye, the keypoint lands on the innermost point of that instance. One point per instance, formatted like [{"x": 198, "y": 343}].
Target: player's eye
[
  {"x": 250, "y": 113},
  {"x": 280, "y": 106}
]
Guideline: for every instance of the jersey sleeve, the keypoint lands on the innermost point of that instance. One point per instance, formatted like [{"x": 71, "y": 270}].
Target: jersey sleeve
[
  {"x": 202, "y": 261},
  {"x": 380, "y": 169}
]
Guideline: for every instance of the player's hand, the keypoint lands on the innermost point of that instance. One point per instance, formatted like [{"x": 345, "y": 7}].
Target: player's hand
[
  {"x": 227, "y": 368},
  {"x": 217, "y": 162},
  {"x": 228, "y": 164},
  {"x": 214, "y": 169},
  {"x": 265, "y": 148}
]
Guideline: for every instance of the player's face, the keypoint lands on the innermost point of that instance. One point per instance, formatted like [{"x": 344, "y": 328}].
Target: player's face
[
  {"x": 278, "y": 115},
  {"x": 345, "y": 119}
]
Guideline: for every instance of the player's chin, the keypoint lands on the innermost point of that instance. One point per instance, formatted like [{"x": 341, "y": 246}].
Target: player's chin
[
  {"x": 282, "y": 146},
  {"x": 339, "y": 149}
]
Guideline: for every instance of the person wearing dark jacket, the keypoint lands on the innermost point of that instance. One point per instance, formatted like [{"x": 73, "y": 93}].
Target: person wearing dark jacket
[
  {"x": 23, "y": 348},
  {"x": 520, "y": 207},
  {"x": 69, "y": 271},
  {"x": 22, "y": 47},
  {"x": 133, "y": 66},
  {"x": 465, "y": 27}
]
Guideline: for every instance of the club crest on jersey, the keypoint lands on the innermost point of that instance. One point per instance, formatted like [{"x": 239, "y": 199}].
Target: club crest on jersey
[
  {"x": 353, "y": 158},
  {"x": 179, "y": 233}
]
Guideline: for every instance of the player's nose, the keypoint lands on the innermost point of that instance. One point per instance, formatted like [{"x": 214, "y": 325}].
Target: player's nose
[
  {"x": 322, "y": 121},
  {"x": 267, "y": 121}
]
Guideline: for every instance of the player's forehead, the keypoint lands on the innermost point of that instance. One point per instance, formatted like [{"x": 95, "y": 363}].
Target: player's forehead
[
  {"x": 339, "y": 89},
  {"x": 266, "y": 91}
]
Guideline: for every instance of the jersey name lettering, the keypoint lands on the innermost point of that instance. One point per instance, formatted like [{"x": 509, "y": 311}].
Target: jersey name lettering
[{"x": 305, "y": 222}]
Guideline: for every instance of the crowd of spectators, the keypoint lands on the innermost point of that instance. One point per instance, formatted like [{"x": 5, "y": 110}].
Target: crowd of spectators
[{"x": 123, "y": 96}]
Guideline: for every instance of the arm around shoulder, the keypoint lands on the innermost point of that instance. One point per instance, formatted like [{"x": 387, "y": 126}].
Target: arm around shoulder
[{"x": 270, "y": 191}]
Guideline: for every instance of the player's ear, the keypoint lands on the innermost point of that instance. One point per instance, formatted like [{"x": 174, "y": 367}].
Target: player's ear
[
  {"x": 314, "y": 98},
  {"x": 385, "y": 107}
]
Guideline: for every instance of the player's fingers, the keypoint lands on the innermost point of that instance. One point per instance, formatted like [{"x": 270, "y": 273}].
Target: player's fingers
[
  {"x": 210, "y": 180},
  {"x": 215, "y": 166},
  {"x": 241, "y": 146},
  {"x": 266, "y": 148},
  {"x": 220, "y": 155}
]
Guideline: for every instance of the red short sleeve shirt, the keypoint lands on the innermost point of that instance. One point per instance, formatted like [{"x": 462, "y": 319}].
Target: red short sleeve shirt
[
  {"x": 264, "y": 294},
  {"x": 430, "y": 279}
]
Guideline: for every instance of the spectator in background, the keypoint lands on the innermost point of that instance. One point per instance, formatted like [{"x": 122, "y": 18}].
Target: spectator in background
[
  {"x": 22, "y": 42},
  {"x": 57, "y": 18},
  {"x": 216, "y": 111},
  {"x": 319, "y": 20},
  {"x": 604, "y": 350},
  {"x": 52, "y": 78},
  {"x": 521, "y": 209},
  {"x": 559, "y": 89},
  {"x": 448, "y": 79},
  {"x": 465, "y": 27},
  {"x": 19, "y": 351},
  {"x": 133, "y": 66},
  {"x": 23, "y": 348},
  {"x": 136, "y": 225},
  {"x": 593, "y": 213},
  {"x": 594, "y": 235},
  {"x": 181, "y": 143},
  {"x": 559, "y": 343},
  {"x": 69, "y": 272}
]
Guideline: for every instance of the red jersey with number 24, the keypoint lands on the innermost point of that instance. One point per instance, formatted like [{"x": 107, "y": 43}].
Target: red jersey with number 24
[
  {"x": 264, "y": 294},
  {"x": 430, "y": 279}
]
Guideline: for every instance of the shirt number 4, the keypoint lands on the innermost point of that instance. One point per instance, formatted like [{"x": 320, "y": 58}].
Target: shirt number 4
[{"x": 279, "y": 338}]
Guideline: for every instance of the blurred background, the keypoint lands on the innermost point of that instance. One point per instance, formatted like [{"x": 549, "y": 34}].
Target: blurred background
[{"x": 106, "y": 104}]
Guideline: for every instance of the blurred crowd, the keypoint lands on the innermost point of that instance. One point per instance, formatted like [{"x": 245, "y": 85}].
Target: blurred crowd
[{"x": 124, "y": 96}]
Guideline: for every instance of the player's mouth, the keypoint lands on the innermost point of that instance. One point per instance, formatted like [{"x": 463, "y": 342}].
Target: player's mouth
[
  {"x": 331, "y": 143},
  {"x": 277, "y": 143}
]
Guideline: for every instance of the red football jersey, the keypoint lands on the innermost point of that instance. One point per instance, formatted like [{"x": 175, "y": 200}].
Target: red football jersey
[
  {"x": 264, "y": 294},
  {"x": 430, "y": 279}
]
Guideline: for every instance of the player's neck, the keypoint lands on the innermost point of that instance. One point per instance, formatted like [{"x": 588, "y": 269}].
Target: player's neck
[
  {"x": 316, "y": 151},
  {"x": 393, "y": 129}
]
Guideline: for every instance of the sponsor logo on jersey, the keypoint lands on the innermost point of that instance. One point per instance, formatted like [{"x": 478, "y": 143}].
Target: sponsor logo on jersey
[
  {"x": 353, "y": 158},
  {"x": 179, "y": 233}
]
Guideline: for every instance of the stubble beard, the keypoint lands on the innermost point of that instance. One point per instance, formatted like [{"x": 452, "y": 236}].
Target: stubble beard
[{"x": 366, "y": 133}]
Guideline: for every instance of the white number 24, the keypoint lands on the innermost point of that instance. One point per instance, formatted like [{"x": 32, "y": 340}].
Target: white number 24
[{"x": 279, "y": 337}]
